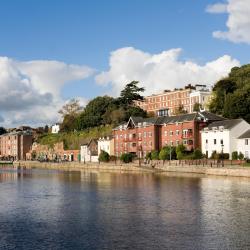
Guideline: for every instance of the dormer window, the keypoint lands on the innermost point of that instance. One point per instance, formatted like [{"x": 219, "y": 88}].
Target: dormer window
[
  {"x": 144, "y": 124},
  {"x": 139, "y": 124},
  {"x": 221, "y": 128}
]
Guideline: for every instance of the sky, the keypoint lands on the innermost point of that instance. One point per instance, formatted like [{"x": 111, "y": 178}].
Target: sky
[{"x": 52, "y": 51}]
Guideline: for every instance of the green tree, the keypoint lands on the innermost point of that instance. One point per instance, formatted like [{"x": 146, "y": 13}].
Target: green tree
[
  {"x": 163, "y": 155},
  {"x": 2, "y": 130},
  {"x": 241, "y": 156},
  {"x": 126, "y": 157},
  {"x": 130, "y": 93},
  {"x": 197, "y": 154},
  {"x": 197, "y": 107}
]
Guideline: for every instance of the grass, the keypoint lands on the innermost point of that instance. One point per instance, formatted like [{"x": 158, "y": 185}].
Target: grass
[{"x": 73, "y": 140}]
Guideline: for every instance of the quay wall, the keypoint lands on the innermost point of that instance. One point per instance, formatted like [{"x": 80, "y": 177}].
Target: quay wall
[{"x": 236, "y": 171}]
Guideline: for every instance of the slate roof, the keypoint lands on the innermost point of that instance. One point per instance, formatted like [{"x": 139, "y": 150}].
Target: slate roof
[
  {"x": 227, "y": 124},
  {"x": 198, "y": 116},
  {"x": 245, "y": 135}
]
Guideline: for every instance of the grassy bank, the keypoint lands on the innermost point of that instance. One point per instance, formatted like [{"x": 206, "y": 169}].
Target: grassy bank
[{"x": 73, "y": 140}]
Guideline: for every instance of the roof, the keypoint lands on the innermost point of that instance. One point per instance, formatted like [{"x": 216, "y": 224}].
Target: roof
[
  {"x": 227, "y": 124},
  {"x": 245, "y": 135},
  {"x": 197, "y": 116}
]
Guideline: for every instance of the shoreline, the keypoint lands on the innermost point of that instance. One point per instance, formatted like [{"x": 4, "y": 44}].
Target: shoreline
[{"x": 235, "y": 171}]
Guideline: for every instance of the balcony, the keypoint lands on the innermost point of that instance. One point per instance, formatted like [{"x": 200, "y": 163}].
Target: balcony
[{"x": 187, "y": 135}]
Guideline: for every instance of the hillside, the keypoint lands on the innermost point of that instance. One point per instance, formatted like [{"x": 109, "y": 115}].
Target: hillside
[{"x": 73, "y": 140}]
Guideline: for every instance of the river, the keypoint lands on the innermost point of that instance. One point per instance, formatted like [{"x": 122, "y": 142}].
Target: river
[{"x": 48, "y": 209}]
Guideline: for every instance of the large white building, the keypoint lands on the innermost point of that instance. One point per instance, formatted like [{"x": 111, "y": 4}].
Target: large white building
[
  {"x": 244, "y": 144},
  {"x": 55, "y": 128},
  {"x": 223, "y": 136}
]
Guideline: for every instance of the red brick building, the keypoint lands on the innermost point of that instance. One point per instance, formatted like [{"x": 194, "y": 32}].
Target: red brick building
[
  {"x": 15, "y": 145},
  {"x": 142, "y": 135}
]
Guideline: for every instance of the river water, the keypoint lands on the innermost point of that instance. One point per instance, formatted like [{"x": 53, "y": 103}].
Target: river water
[{"x": 47, "y": 209}]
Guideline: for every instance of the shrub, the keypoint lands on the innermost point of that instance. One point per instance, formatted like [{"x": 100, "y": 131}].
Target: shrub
[
  {"x": 241, "y": 156},
  {"x": 112, "y": 158},
  {"x": 180, "y": 148},
  {"x": 126, "y": 157},
  {"x": 180, "y": 155},
  {"x": 104, "y": 156},
  {"x": 223, "y": 156},
  {"x": 148, "y": 156},
  {"x": 155, "y": 155},
  {"x": 197, "y": 154},
  {"x": 235, "y": 155},
  {"x": 214, "y": 155},
  {"x": 164, "y": 154}
]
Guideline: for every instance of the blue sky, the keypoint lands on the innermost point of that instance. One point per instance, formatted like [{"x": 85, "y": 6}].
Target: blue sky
[{"x": 85, "y": 32}]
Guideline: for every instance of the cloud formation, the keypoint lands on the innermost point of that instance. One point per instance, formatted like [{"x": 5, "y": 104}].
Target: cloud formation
[
  {"x": 30, "y": 92},
  {"x": 238, "y": 22},
  {"x": 157, "y": 72}
]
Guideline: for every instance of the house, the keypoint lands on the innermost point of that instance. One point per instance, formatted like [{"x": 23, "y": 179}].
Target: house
[
  {"x": 89, "y": 151},
  {"x": 222, "y": 136},
  {"x": 106, "y": 144},
  {"x": 243, "y": 145},
  {"x": 55, "y": 128},
  {"x": 142, "y": 135}
]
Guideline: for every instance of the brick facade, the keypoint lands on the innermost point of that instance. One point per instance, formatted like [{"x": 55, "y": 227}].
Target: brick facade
[{"x": 140, "y": 136}]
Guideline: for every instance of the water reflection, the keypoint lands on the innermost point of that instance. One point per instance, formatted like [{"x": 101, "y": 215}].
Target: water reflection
[{"x": 97, "y": 210}]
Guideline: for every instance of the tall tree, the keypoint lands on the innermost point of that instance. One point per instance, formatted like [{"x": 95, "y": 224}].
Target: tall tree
[
  {"x": 71, "y": 108},
  {"x": 130, "y": 93},
  {"x": 2, "y": 130}
]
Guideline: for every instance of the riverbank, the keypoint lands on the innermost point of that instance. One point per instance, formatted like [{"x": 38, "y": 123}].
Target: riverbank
[{"x": 235, "y": 171}]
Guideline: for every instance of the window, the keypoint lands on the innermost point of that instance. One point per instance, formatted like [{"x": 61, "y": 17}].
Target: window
[
  {"x": 246, "y": 141},
  {"x": 184, "y": 142},
  {"x": 139, "y": 135},
  {"x": 207, "y": 141},
  {"x": 165, "y": 133},
  {"x": 177, "y": 132},
  {"x": 150, "y": 134},
  {"x": 214, "y": 141},
  {"x": 171, "y": 133},
  {"x": 177, "y": 143},
  {"x": 145, "y": 134},
  {"x": 221, "y": 142},
  {"x": 120, "y": 135}
]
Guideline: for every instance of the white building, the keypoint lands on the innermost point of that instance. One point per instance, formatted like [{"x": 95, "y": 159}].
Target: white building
[
  {"x": 222, "y": 135},
  {"x": 244, "y": 144},
  {"x": 106, "y": 144},
  {"x": 55, "y": 128},
  {"x": 89, "y": 152}
]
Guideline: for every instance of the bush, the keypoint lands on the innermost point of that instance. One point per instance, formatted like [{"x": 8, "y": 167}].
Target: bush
[
  {"x": 155, "y": 155},
  {"x": 104, "y": 156},
  {"x": 224, "y": 156},
  {"x": 180, "y": 155},
  {"x": 197, "y": 154},
  {"x": 126, "y": 157},
  {"x": 241, "y": 156},
  {"x": 164, "y": 154},
  {"x": 148, "y": 156},
  {"x": 112, "y": 158},
  {"x": 180, "y": 148},
  {"x": 235, "y": 155},
  {"x": 214, "y": 156}
]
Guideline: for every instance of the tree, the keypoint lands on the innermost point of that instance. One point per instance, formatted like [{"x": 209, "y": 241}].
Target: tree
[
  {"x": 126, "y": 157},
  {"x": 71, "y": 108},
  {"x": 104, "y": 156},
  {"x": 241, "y": 156},
  {"x": 197, "y": 154},
  {"x": 2, "y": 131},
  {"x": 130, "y": 93},
  {"x": 163, "y": 155},
  {"x": 197, "y": 107},
  {"x": 135, "y": 111},
  {"x": 180, "y": 110}
]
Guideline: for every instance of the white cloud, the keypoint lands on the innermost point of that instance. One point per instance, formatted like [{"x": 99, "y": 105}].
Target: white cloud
[
  {"x": 30, "y": 92},
  {"x": 217, "y": 8},
  {"x": 161, "y": 71},
  {"x": 238, "y": 22}
]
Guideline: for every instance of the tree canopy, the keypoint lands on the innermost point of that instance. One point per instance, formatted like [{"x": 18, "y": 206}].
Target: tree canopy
[{"x": 231, "y": 95}]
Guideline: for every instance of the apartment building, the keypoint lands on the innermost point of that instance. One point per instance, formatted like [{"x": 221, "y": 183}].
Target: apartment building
[
  {"x": 167, "y": 102},
  {"x": 142, "y": 135},
  {"x": 15, "y": 144}
]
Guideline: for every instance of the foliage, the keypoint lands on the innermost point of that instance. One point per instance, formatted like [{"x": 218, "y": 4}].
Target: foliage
[
  {"x": 71, "y": 108},
  {"x": 197, "y": 154},
  {"x": 112, "y": 158},
  {"x": 231, "y": 95},
  {"x": 2, "y": 130},
  {"x": 155, "y": 155},
  {"x": 148, "y": 156},
  {"x": 235, "y": 155},
  {"x": 104, "y": 156},
  {"x": 130, "y": 93},
  {"x": 214, "y": 155},
  {"x": 164, "y": 153},
  {"x": 73, "y": 140},
  {"x": 180, "y": 155},
  {"x": 180, "y": 110},
  {"x": 126, "y": 157},
  {"x": 197, "y": 107},
  {"x": 180, "y": 148},
  {"x": 241, "y": 156}
]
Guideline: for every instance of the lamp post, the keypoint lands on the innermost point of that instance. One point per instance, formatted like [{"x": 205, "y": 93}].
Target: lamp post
[{"x": 222, "y": 154}]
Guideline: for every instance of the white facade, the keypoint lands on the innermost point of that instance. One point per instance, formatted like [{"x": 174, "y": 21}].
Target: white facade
[
  {"x": 199, "y": 96},
  {"x": 223, "y": 135},
  {"x": 244, "y": 145},
  {"x": 106, "y": 144},
  {"x": 86, "y": 155},
  {"x": 55, "y": 129}
]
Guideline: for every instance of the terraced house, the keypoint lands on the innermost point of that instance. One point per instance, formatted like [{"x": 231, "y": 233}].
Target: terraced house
[{"x": 142, "y": 135}]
